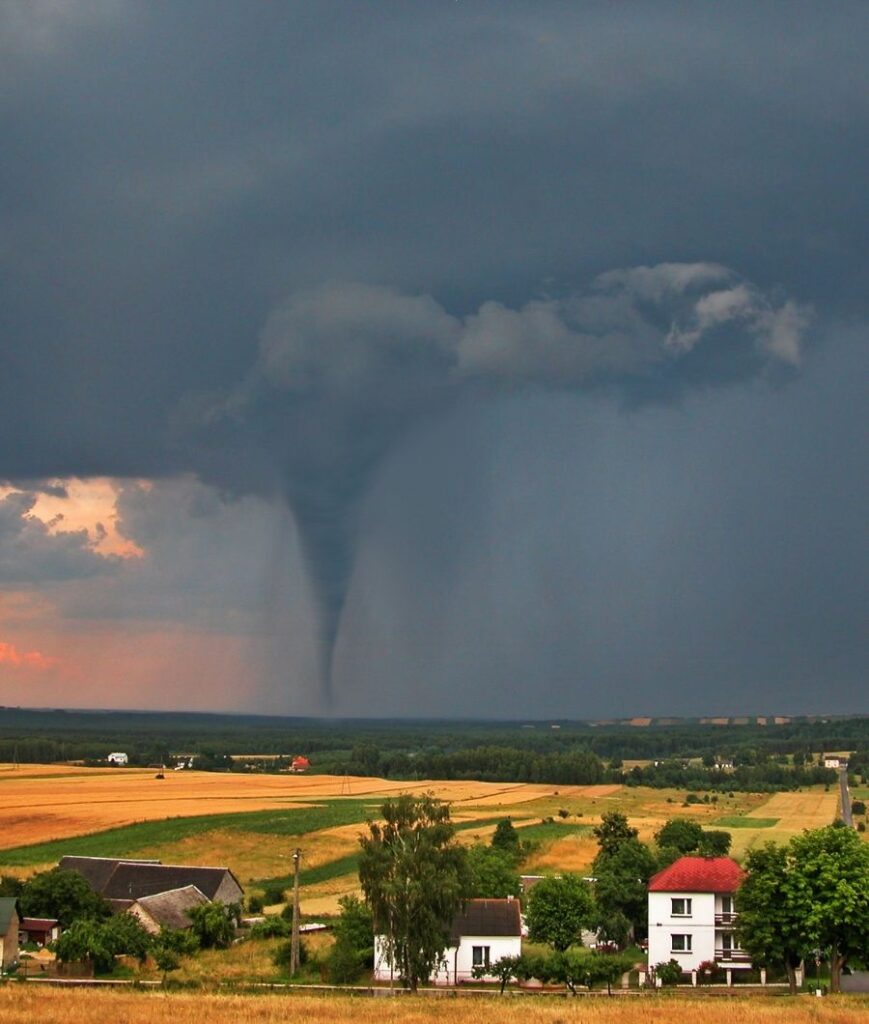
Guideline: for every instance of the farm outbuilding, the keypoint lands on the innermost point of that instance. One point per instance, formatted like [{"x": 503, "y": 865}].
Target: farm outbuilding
[
  {"x": 38, "y": 930},
  {"x": 129, "y": 880},
  {"x": 167, "y": 909}
]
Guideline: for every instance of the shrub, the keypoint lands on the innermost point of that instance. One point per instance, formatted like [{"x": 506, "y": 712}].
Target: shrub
[
  {"x": 272, "y": 928},
  {"x": 273, "y": 894},
  {"x": 213, "y": 925},
  {"x": 353, "y": 949},
  {"x": 283, "y": 955},
  {"x": 255, "y": 904},
  {"x": 669, "y": 972}
]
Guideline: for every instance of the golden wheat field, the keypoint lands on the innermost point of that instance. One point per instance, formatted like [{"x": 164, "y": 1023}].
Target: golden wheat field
[
  {"x": 24, "y": 1004},
  {"x": 45, "y": 802}
]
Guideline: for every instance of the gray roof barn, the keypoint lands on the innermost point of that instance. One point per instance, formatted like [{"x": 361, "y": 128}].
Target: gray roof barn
[
  {"x": 96, "y": 870},
  {"x": 127, "y": 880}
]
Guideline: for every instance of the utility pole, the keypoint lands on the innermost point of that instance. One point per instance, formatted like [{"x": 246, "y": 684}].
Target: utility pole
[{"x": 294, "y": 948}]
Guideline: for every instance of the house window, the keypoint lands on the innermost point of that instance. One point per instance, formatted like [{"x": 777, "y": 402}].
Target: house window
[
  {"x": 681, "y": 907},
  {"x": 726, "y": 904},
  {"x": 680, "y": 943},
  {"x": 480, "y": 956}
]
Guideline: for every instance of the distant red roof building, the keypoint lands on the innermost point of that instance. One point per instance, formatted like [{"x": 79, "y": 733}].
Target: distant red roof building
[
  {"x": 698, "y": 874},
  {"x": 300, "y": 764}
]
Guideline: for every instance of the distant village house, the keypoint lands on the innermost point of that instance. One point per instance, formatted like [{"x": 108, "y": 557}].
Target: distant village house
[{"x": 118, "y": 757}]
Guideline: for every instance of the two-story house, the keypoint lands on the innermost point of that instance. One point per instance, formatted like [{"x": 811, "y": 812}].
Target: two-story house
[{"x": 691, "y": 914}]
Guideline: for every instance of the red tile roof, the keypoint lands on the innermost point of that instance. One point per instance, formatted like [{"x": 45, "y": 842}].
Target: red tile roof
[{"x": 698, "y": 874}]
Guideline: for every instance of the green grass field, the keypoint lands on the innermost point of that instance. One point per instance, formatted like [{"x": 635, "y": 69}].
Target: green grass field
[
  {"x": 145, "y": 836},
  {"x": 739, "y": 821}
]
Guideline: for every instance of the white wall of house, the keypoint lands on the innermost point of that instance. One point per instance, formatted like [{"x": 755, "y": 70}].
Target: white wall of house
[
  {"x": 688, "y": 937},
  {"x": 682, "y": 927},
  {"x": 457, "y": 964}
]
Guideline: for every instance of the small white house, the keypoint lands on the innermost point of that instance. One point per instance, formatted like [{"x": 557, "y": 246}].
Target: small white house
[
  {"x": 692, "y": 916},
  {"x": 834, "y": 761},
  {"x": 481, "y": 934},
  {"x": 118, "y": 757}
]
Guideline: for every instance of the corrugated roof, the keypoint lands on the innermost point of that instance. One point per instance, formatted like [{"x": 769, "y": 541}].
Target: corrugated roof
[
  {"x": 7, "y": 909},
  {"x": 488, "y": 917},
  {"x": 698, "y": 874}
]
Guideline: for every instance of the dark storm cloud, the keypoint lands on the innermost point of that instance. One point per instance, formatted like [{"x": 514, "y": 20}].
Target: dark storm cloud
[
  {"x": 171, "y": 175},
  {"x": 345, "y": 370}
]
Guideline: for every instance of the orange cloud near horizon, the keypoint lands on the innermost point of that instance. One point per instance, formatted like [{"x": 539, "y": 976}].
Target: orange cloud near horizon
[
  {"x": 88, "y": 504},
  {"x": 11, "y": 656}
]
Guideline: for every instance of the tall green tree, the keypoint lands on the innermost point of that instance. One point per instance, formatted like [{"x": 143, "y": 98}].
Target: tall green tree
[
  {"x": 715, "y": 843},
  {"x": 769, "y": 925},
  {"x": 506, "y": 838},
  {"x": 680, "y": 834},
  {"x": 414, "y": 876},
  {"x": 621, "y": 888},
  {"x": 101, "y": 941},
  {"x": 64, "y": 895},
  {"x": 353, "y": 948},
  {"x": 558, "y": 910},
  {"x": 829, "y": 883},
  {"x": 493, "y": 872},
  {"x": 612, "y": 831}
]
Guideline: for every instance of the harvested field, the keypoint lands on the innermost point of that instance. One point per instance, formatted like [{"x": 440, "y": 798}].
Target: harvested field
[
  {"x": 253, "y": 822},
  {"x": 45, "y": 802},
  {"x": 22, "y": 1004},
  {"x": 796, "y": 811}
]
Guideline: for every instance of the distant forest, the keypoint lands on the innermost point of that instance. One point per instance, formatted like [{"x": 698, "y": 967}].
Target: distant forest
[{"x": 685, "y": 754}]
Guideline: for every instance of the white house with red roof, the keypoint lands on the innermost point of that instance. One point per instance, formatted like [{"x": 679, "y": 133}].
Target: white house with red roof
[{"x": 691, "y": 914}]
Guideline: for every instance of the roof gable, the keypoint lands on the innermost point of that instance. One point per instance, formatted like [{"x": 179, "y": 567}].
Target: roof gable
[{"x": 698, "y": 874}]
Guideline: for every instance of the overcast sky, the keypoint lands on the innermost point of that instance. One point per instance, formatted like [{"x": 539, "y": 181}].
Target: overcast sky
[{"x": 452, "y": 358}]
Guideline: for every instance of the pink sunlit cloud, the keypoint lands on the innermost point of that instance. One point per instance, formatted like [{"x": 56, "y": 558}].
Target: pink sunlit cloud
[{"x": 10, "y": 656}]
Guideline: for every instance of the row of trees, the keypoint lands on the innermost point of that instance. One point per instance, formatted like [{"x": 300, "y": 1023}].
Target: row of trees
[
  {"x": 806, "y": 900},
  {"x": 582, "y": 766}
]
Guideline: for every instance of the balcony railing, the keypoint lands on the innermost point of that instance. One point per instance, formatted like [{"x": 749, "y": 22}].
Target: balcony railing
[
  {"x": 725, "y": 920},
  {"x": 731, "y": 956}
]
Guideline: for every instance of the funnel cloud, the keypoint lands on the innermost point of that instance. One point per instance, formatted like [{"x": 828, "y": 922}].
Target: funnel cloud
[
  {"x": 444, "y": 358},
  {"x": 346, "y": 370}
]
